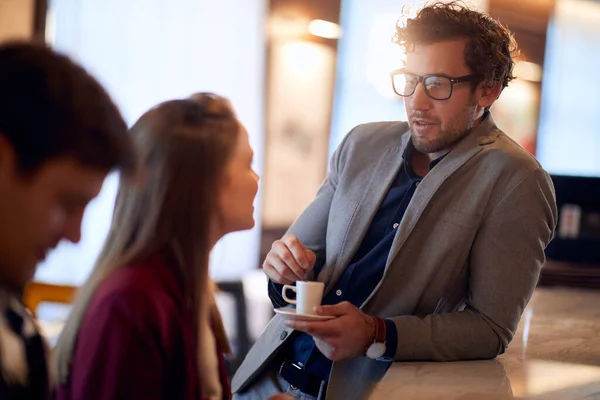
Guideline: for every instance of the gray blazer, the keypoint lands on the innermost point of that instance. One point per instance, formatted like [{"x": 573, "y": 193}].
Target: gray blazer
[{"x": 465, "y": 259}]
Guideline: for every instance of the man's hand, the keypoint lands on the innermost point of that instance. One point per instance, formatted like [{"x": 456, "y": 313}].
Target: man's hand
[
  {"x": 288, "y": 261},
  {"x": 346, "y": 336}
]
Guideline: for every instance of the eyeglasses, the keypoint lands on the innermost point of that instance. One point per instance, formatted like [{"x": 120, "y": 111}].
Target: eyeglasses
[{"x": 436, "y": 87}]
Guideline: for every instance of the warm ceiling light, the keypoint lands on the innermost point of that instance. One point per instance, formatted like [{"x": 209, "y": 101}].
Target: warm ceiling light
[
  {"x": 324, "y": 29},
  {"x": 528, "y": 71},
  {"x": 287, "y": 27}
]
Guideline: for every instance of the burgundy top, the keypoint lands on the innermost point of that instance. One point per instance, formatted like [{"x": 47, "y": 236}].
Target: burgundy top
[{"x": 137, "y": 340}]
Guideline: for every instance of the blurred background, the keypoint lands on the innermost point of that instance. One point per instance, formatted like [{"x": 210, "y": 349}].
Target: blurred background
[{"x": 301, "y": 74}]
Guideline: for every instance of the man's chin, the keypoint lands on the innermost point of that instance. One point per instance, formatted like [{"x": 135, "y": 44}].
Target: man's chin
[
  {"x": 437, "y": 146},
  {"x": 427, "y": 146}
]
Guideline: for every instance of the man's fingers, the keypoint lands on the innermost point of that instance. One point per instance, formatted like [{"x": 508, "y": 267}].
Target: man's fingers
[
  {"x": 311, "y": 256},
  {"x": 282, "y": 270},
  {"x": 282, "y": 275},
  {"x": 320, "y": 329},
  {"x": 288, "y": 261},
  {"x": 299, "y": 252},
  {"x": 273, "y": 275},
  {"x": 281, "y": 256},
  {"x": 336, "y": 310}
]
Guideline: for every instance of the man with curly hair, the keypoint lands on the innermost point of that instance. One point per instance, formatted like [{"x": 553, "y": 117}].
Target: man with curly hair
[{"x": 428, "y": 234}]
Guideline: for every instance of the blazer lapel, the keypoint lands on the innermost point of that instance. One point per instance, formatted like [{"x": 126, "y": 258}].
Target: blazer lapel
[
  {"x": 371, "y": 196},
  {"x": 471, "y": 145}
]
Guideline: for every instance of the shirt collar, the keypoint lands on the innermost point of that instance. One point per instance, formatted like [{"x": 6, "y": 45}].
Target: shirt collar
[{"x": 409, "y": 151}]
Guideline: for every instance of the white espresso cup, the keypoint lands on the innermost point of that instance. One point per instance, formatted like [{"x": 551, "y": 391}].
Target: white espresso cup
[{"x": 308, "y": 295}]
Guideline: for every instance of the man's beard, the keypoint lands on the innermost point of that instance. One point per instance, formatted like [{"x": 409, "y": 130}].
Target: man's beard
[
  {"x": 444, "y": 141},
  {"x": 446, "y": 138}
]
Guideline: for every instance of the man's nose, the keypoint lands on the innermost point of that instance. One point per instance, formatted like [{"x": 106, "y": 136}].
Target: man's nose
[{"x": 419, "y": 99}]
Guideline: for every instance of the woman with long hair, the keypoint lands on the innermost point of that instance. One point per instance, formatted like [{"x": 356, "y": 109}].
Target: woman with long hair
[{"x": 145, "y": 325}]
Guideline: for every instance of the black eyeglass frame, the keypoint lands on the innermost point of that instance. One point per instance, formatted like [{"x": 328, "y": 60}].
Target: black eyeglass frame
[{"x": 421, "y": 79}]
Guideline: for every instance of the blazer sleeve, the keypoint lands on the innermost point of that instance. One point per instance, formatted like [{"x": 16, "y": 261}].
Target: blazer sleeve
[
  {"x": 311, "y": 226},
  {"x": 506, "y": 258},
  {"x": 118, "y": 354}
]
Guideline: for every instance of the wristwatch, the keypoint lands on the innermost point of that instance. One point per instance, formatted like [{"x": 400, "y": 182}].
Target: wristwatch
[{"x": 377, "y": 348}]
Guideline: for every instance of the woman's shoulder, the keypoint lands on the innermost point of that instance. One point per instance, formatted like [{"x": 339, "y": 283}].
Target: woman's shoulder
[{"x": 146, "y": 288}]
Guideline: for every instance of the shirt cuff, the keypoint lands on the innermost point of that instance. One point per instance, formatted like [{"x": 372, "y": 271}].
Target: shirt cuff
[{"x": 391, "y": 341}]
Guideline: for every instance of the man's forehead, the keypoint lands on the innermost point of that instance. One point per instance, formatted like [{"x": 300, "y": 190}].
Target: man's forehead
[
  {"x": 67, "y": 172},
  {"x": 438, "y": 58}
]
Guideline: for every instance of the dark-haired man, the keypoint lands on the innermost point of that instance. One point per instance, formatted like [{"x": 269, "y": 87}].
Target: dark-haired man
[
  {"x": 60, "y": 135},
  {"x": 429, "y": 234}
]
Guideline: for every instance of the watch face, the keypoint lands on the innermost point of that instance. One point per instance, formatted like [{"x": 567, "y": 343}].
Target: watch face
[{"x": 376, "y": 350}]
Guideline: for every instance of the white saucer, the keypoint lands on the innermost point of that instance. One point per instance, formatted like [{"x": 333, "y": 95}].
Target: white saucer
[{"x": 290, "y": 314}]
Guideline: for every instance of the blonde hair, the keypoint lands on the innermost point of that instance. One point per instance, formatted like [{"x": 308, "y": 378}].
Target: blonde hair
[{"x": 183, "y": 147}]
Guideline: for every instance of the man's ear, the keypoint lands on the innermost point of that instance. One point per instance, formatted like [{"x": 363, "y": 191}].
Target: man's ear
[{"x": 488, "y": 93}]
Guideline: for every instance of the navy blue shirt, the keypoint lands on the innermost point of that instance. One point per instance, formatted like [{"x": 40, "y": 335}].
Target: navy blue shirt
[{"x": 364, "y": 271}]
